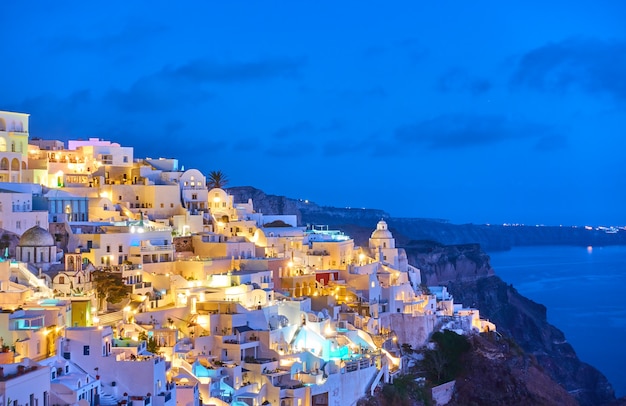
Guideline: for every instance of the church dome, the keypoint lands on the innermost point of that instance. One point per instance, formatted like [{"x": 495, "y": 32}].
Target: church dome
[
  {"x": 36, "y": 237},
  {"x": 381, "y": 231}
]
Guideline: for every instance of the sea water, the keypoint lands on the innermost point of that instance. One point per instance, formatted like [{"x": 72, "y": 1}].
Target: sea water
[{"x": 583, "y": 289}]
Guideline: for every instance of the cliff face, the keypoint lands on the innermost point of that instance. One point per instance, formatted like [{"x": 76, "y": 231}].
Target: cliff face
[
  {"x": 496, "y": 373},
  {"x": 448, "y": 263},
  {"x": 515, "y": 316}
]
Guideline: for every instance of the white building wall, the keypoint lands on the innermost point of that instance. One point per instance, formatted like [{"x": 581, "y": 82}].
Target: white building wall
[{"x": 20, "y": 389}]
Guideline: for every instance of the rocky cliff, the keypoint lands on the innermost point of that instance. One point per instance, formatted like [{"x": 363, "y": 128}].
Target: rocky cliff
[
  {"x": 469, "y": 277},
  {"x": 496, "y": 372}
]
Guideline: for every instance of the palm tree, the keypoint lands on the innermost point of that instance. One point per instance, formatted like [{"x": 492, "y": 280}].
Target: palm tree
[{"x": 216, "y": 180}]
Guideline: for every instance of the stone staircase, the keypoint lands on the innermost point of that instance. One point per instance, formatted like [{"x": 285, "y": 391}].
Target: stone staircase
[{"x": 108, "y": 400}]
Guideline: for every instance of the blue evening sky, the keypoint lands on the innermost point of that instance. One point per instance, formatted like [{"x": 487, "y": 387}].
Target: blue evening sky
[{"x": 472, "y": 111}]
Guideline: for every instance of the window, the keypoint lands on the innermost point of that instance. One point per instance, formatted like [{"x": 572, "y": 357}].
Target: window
[
  {"x": 136, "y": 197},
  {"x": 125, "y": 159},
  {"x": 108, "y": 248},
  {"x": 119, "y": 197},
  {"x": 85, "y": 350},
  {"x": 171, "y": 204},
  {"x": 18, "y": 225},
  {"x": 223, "y": 204},
  {"x": 120, "y": 248},
  {"x": 194, "y": 196},
  {"x": 62, "y": 280}
]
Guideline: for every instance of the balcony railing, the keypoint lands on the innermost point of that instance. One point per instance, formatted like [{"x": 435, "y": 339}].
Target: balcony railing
[{"x": 153, "y": 248}]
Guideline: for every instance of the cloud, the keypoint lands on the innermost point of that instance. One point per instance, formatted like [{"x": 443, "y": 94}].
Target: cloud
[
  {"x": 204, "y": 70},
  {"x": 550, "y": 143},
  {"x": 306, "y": 128},
  {"x": 455, "y": 131},
  {"x": 351, "y": 147},
  {"x": 157, "y": 93},
  {"x": 291, "y": 149},
  {"x": 459, "y": 80},
  {"x": 138, "y": 32},
  {"x": 294, "y": 130},
  {"x": 61, "y": 117},
  {"x": 593, "y": 65},
  {"x": 174, "y": 87},
  {"x": 363, "y": 95},
  {"x": 247, "y": 144}
]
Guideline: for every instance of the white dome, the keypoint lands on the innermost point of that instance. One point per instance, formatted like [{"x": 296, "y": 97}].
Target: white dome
[{"x": 381, "y": 231}]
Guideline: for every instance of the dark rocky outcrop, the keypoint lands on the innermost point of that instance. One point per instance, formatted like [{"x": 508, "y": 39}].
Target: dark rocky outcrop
[
  {"x": 471, "y": 281},
  {"x": 497, "y": 372}
]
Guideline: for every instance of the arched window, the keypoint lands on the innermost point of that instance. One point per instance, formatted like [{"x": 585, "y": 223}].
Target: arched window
[
  {"x": 3, "y": 143},
  {"x": 3, "y": 124},
  {"x": 15, "y": 164}
]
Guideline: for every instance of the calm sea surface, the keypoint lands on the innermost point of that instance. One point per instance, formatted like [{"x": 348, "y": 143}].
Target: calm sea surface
[{"x": 584, "y": 291}]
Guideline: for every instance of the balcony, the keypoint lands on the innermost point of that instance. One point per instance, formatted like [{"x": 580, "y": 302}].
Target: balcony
[{"x": 155, "y": 248}]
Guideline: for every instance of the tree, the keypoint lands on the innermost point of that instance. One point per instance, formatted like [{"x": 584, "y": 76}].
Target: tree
[
  {"x": 109, "y": 286},
  {"x": 152, "y": 345},
  {"x": 444, "y": 363},
  {"x": 5, "y": 243},
  {"x": 216, "y": 180}
]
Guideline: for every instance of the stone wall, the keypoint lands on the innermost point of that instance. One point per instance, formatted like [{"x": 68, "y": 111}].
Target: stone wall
[
  {"x": 182, "y": 244},
  {"x": 409, "y": 329}
]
